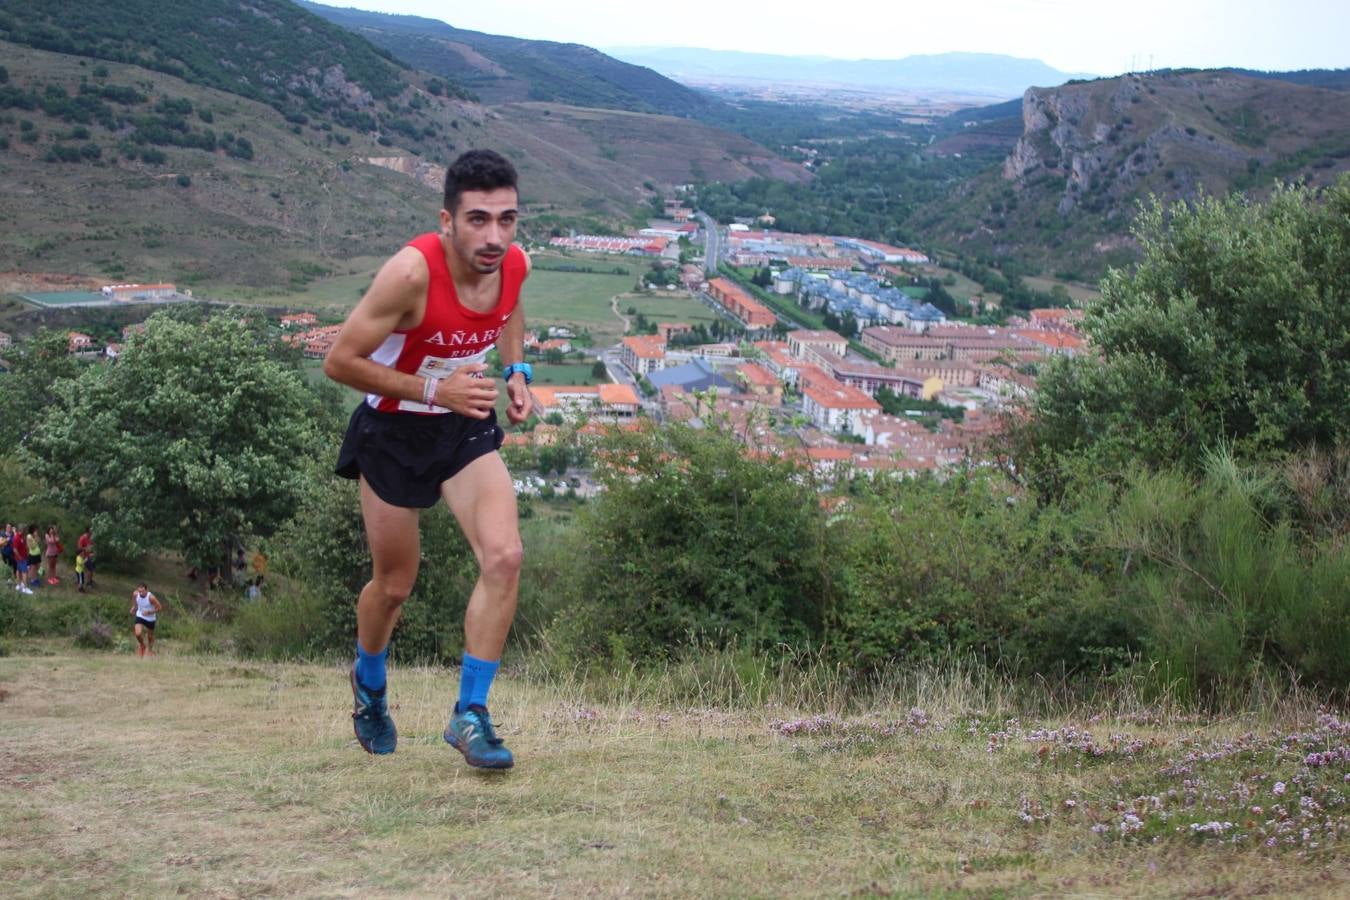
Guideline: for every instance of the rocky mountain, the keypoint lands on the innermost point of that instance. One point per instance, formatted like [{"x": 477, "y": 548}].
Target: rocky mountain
[{"x": 1090, "y": 151}]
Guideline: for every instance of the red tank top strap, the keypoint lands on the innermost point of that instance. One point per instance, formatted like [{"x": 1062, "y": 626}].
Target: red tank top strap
[{"x": 429, "y": 245}]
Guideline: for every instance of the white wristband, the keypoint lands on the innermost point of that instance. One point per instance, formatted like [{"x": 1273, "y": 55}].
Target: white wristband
[{"x": 429, "y": 386}]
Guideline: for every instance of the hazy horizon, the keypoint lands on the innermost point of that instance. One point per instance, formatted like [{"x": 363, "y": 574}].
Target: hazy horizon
[{"x": 1071, "y": 37}]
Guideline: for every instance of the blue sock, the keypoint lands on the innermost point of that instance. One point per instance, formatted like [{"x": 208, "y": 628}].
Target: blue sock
[
  {"x": 370, "y": 667},
  {"x": 475, "y": 678}
]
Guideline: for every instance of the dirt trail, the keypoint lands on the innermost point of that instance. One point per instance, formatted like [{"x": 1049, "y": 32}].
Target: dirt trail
[{"x": 614, "y": 307}]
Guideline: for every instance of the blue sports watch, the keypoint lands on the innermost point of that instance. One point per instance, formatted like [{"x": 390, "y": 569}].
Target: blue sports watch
[{"x": 523, "y": 368}]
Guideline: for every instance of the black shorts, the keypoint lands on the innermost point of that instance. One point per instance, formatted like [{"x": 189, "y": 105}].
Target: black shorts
[
  {"x": 405, "y": 457},
  {"x": 148, "y": 623}
]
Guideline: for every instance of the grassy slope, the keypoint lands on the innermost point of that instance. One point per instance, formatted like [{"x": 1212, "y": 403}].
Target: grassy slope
[
  {"x": 207, "y": 775},
  {"x": 239, "y": 222}
]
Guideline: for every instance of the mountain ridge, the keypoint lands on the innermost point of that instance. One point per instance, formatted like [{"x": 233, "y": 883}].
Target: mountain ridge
[
  {"x": 996, "y": 75},
  {"x": 502, "y": 69}
]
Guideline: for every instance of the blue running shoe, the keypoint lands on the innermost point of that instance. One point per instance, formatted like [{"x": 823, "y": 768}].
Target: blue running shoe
[
  {"x": 374, "y": 728},
  {"x": 471, "y": 733}
]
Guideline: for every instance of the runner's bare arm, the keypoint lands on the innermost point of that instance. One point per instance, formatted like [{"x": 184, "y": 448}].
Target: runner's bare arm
[
  {"x": 511, "y": 348},
  {"x": 394, "y": 301}
]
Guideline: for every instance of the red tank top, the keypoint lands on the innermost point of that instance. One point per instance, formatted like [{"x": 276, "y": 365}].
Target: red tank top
[{"x": 450, "y": 334}]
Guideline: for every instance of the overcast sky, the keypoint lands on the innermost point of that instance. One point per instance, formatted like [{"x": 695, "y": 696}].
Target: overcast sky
[{"x": 1071, "y": 35}]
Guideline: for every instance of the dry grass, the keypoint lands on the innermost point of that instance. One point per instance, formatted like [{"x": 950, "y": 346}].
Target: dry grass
[{"x": 216, "y": 777}]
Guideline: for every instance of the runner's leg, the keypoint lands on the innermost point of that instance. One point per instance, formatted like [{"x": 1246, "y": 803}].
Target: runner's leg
[
  {"x": 484, "y": 503},
  {"x": 392, "y": 532}
]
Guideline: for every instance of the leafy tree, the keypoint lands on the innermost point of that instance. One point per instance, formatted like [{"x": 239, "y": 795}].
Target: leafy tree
[
  {"x": 188, "y": 442},
  {"x": 37, "y": 364},
  {"x": 598, "y": 371},
  {"x": 1234, "y": 330}
]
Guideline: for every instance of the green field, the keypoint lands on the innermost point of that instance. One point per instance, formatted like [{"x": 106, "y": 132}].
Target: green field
[
  {"x": 1079, "y": 293},
  {"x": 567, "y": 373},
  {"x": 577, "y": 300},
  {"x": 582, "y": 301},
  {"x": 663, "y": 308},
  {"x": 964, "y": 288}
]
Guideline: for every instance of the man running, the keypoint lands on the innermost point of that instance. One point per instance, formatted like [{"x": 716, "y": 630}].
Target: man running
[
  {"x": 145, "y": 607},
  {"x": 417, "y": 344}
]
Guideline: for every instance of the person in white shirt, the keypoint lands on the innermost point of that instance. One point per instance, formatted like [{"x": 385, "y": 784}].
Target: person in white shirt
[{"x": 145, "y": 606}]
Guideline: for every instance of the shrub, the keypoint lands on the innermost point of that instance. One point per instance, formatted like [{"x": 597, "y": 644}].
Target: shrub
[
  {"x": 95, "y": 635},
  {"x": 926, "y": 570},
  {"x": 1189, "y": 356},
  {"x": 693, "y": 539},
  {"x": 280, "y": 627},
  {"x": 1221, "y": 582},
  {"x": 324, "y": 548}
]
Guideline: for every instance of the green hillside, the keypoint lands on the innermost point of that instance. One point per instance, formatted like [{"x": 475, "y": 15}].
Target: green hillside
[
  {"x": 1052, "y": 182},
  {"x": 214, "y": 147},
  {"x": 267, "y": 50},
  {"x": 121, "y": 172}
]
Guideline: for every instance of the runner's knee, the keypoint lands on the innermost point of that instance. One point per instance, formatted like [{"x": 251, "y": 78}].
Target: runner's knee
[
  {"x": 503, "y": 559},
  {"x": 391, "y": 591}
]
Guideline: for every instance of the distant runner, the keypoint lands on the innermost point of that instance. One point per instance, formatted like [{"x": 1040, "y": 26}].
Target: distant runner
[{"x": 145, "y": 607}]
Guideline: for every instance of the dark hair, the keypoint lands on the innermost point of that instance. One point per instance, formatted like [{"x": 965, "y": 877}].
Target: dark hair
[{"x": 477, "y": 170}]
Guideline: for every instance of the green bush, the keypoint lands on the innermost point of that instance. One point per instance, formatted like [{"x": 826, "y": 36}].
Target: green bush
[
  {"x": 1233, "y": 330},
  {"x": 50, "y": 615},
  {"x": 693, "y": 539},
  {"x": 280, "y": 627},
  {"x": 95, "y": 635},
  {"x": 968, "y": 567},
  {"x": 1222, "y": 583}
]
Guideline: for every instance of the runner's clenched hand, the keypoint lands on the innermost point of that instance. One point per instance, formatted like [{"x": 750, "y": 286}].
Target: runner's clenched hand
[{"x": 467, "y": 392}]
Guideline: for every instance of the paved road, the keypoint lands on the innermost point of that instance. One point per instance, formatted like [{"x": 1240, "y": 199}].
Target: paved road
[{"x": 712, "y": 239}]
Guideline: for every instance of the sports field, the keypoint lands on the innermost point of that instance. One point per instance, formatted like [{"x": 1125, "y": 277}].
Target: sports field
[{"x": 67, "y": 298}]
